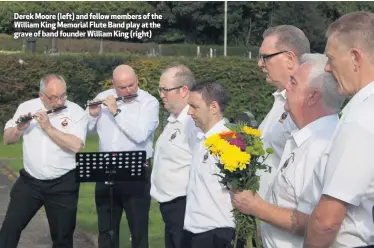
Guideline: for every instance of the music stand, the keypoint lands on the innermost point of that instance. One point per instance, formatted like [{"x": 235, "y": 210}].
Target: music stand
[{"x": 110, "y": 167}]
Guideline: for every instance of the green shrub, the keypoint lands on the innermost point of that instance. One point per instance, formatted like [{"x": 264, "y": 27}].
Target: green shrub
[{"x": 87, "y": 75}]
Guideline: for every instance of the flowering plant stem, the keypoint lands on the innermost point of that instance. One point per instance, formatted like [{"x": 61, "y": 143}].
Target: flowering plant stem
[{"x": 240, "y": 155}]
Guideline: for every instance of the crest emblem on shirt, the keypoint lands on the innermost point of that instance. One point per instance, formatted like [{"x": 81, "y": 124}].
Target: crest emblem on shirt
[
  {"x": 292, "y": 158},
  {"x": 174, "y": 135},
  {"x": 64, "y": 122},
  {"x": 206, "y": 156},
  {"x": 283, "y": 117}
]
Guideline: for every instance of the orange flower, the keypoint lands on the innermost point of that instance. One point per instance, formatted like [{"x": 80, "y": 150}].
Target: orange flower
[{"x": 228, "y": 134}]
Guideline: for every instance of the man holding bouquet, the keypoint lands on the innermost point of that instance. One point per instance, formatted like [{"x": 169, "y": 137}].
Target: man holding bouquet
[
  {"x": 279, "y": 57},
  {"x": 313, "y": 103},
  {"x": 208, "y": 221}
]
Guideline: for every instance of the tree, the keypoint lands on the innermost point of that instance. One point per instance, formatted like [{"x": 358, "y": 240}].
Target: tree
[
  {"x": 247, "y": 21},
  {"x": 307, "y": 17}
]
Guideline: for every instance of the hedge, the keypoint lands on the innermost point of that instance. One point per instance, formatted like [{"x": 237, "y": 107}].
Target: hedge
[
  {"x": 88, "y": 75},
  {"x": 7, "y": 43}
]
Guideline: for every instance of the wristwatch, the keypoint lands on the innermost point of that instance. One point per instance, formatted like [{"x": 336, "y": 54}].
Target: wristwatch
[{"x": 118, "y": 111}]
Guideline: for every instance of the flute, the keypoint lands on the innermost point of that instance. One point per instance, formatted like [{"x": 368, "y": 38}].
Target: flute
[
  {"x": 27, "y": 118},
  {"x": 117, "y": 99}
]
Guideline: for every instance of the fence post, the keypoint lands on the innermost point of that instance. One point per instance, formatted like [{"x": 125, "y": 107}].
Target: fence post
[
  {"x": 160, "y": 49},
  {"x": 211, "y": 52},
  {"x": 24, "y": 45},
  {"x": 250, "y": 55},
  {"x": 101, "y": 46},
  {"x": 31, "y": 45},
  {"x": 198, "y": 51}
]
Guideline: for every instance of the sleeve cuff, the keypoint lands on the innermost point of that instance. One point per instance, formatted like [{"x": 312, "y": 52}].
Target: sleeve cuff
[
  {"x": 343, "y": 196},
  {"x": 10, "y": 124},
  {"x": 305, "y": 208}
]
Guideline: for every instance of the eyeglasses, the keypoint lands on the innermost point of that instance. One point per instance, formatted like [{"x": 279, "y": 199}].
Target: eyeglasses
[
  {"x": 56, "y": 98},
  {"x": 266, "y": 57},
  {"x": 166, "y": 90}
]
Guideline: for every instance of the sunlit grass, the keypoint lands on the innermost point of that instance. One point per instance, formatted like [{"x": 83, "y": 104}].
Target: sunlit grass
[{"x": 87, "y": 218}]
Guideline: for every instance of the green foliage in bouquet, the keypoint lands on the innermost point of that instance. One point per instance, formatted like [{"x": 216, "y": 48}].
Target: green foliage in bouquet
[{"x": 241, "y": 154}]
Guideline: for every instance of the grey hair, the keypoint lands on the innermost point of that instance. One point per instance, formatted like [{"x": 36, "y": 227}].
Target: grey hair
[
  {"x": 45, "y": 80},
  {"x": 183, "y": 75},
  {"x": 355, "y": 29},
  {"x": 324, "y": 81},
  {"x": 290, "y": 38}
]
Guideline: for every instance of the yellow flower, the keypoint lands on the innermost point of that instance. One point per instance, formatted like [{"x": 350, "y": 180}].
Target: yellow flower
[
  {"x": 233, "y": 158},
  {"x": 212, "y": 140},
  {"x": 252, "y": 131},
  {"x": 215, "y": 144},
  {"x": 230, "y": 156}
]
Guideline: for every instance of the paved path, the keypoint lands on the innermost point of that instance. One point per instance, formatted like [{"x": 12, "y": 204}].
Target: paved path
[{"x": 36, "y": 234}]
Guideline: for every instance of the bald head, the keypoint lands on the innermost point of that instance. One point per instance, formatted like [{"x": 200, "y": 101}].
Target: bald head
[
  {"x": 125, "y": 80},
  {"x": 180, "y": 75},
  {"x": 122, "y": 70}
]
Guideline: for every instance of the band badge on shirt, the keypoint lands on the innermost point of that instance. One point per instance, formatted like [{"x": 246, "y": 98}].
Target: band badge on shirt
[
  {"x": 283, "y": 117},
  {"x": 290, "y": 159},
  {"x": 65, "y": 122},
  {"x": 206, "y": 156},
  {"x": 174, "y": 135}
]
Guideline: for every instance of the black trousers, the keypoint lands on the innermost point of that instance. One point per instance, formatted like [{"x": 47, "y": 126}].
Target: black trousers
[
  {"x": 173, "y": 215},
  {"x": 59, "y": 197},
  {"x": 216, "y": 238},
  {"x": 135, "y": 199}
]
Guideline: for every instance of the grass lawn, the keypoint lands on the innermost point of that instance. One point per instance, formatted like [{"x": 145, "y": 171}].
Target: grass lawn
[{"x": 87, "y": 218}]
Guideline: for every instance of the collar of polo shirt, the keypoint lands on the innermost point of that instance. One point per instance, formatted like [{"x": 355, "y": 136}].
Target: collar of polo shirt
[
  {"x": 182, "y": 116},
  {"x": 280, "y": 93},
  {"x": 43, "y": 108},
  {"x": 215, "y": 129},
  {"x": 302, "y": 135},
  {"x": 359, "y": 97}
]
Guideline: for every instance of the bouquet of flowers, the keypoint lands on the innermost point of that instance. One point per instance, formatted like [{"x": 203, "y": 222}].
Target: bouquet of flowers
[{"x": 240, "y": 154}]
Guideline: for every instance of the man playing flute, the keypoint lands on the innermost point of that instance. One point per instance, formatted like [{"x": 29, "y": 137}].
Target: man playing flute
[
  {"x": 50, "y": 143},
  {"x": 124, "y": 126}
]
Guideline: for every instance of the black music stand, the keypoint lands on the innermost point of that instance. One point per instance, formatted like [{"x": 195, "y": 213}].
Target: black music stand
[{"x": 110, "y": 167}]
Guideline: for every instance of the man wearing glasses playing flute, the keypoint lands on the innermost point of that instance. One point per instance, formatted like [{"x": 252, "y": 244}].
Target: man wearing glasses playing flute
[
  {"x": 48, "y": 178},
  {"x": 124, "y": 125}
]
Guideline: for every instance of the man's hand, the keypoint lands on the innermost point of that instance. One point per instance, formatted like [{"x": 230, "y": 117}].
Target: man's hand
[
  {"x": 245, "y": 201},
  {"x": 24, "y": 125},
  {"x": 94, "y": 110},
  {"x": 111, "y": 103},
  {"x": 43, "y": 120}
]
